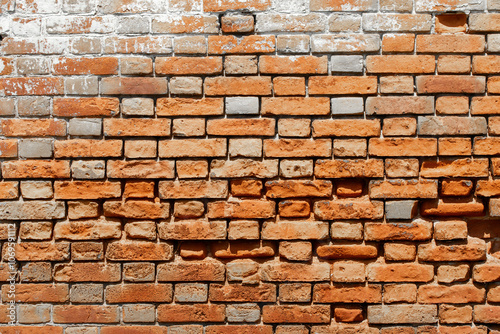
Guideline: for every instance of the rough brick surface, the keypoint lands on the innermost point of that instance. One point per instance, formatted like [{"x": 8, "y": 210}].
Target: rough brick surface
[{"x": 250, "y": 166}]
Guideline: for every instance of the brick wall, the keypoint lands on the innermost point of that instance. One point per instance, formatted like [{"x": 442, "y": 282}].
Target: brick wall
[{"x": 251, "y": 166}]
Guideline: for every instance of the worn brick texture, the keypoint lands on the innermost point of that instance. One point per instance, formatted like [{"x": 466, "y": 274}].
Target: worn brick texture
[{"x": 250, "y": 166}]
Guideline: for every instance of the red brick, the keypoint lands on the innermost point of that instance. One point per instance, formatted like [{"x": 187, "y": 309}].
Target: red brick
[
  {"x": 456, "y": 188},
  {"x": 220, "y": 45},
  {"x": 86, "y": 106},
  {"x": 488, "y": 272},
  {"x": 32, "y": 86},
  {"x": 188, "y": 65},
  {"x": 76, "y": 148},
  {"x": 33, "y": 128},
  {"x": 81, "y": 66},
  {"x": 339, "y": 85},
  {"x": 45, "y": 169}
]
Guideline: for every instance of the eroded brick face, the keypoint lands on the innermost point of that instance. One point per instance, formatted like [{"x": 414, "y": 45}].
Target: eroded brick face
[{"x": 251, "y": 166}]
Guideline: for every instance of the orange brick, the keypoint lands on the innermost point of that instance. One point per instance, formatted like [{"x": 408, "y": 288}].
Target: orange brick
[
  {"x": 8, "y": 148},
  {"x": 32, "y": 86},
  {"x": 76, "y": 148},
  {"x": 219, "y": 45},
  {"x": 450, "y": 84},
  {"x": 137, "y": 127},
  {"x": 451, "y": 23},
  {"x": 454, "y": 64},
  {"x": 86, "y": 189},
  {"x": 289, "y": 86},
  {"x": 189, "y": 107},
  {"x": 337, "y": 85},
  {"x": 260, "y": 85},
  {"x": 188, "y": 65},
  {"x": 35, "y": 169},
  {"x": 450, "y": 43},
  {"x": 400, "y": 64},
  {"x": 405, "y": 147},
  {"x": 241, "y": 127},
  {"x": 86, "y": 106},
  {"x": 192, "y": 313},
  {"x": 133, "y": 86},
  {"x": 295, "y": 106},
  {"x": 33, "y": 128},
  {"x": 293, "y": 65},
  {"x": 224, "y": 5},
  {"x": 74, "y": 314},
  {"x": 81, "y": 66},
  {"x": 398, "y": 43}
]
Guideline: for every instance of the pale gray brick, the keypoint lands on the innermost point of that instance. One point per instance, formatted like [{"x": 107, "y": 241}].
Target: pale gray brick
[
  {"x": 242, "y": 105},
  {"x": 347, "y": 106},
  {"x": 85, "y": 127},
  {"x": 35, "y": 148}
]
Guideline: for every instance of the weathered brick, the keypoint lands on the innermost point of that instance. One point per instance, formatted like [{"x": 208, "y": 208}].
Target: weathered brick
[
  {"x": 136, "y": 209},
  {"x": 139, "y": 251},
  {"x": 92, "y": 229},
  {"x": 33, "y": 128},
  {"x": 293, "y": 65},
  {"x": 474, "y": 250},
  {"x": 460, "y": 294},
  {"x": 455, "y": 168},
  {"x": 140, "y": 169},
  {"x": 417, "y": 230},
  {"x": 348, "y": 209},
  {"x": 289, "y": 230},
  {"x": 451, "y": 84},
  {"x": 336, "y": 85},
  {"x": 450, "y": 43},
  {"x": 244, "y": 168},
  {"x": 296, "y": 314},
  {"x": 192, "y": 148},
  {"x": 133, "y": 86},
  {"x": 397, "y": 22},
  {"x": 186, "y": 271},
  {"x": 86, "y": 148},
  {"x": 297, "y": 148},
  {"x": 295, "y": 106},
  {"x": 402, "y": 147},
  {"x": 342, "y": 293},
  {"x": 241, "y": 127},
  {"x": 402, "y": 313},
  {"x": 220, "y": 45},
  {"x": 392, "y": 105},
  {"x": 400, "y": 64}
]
